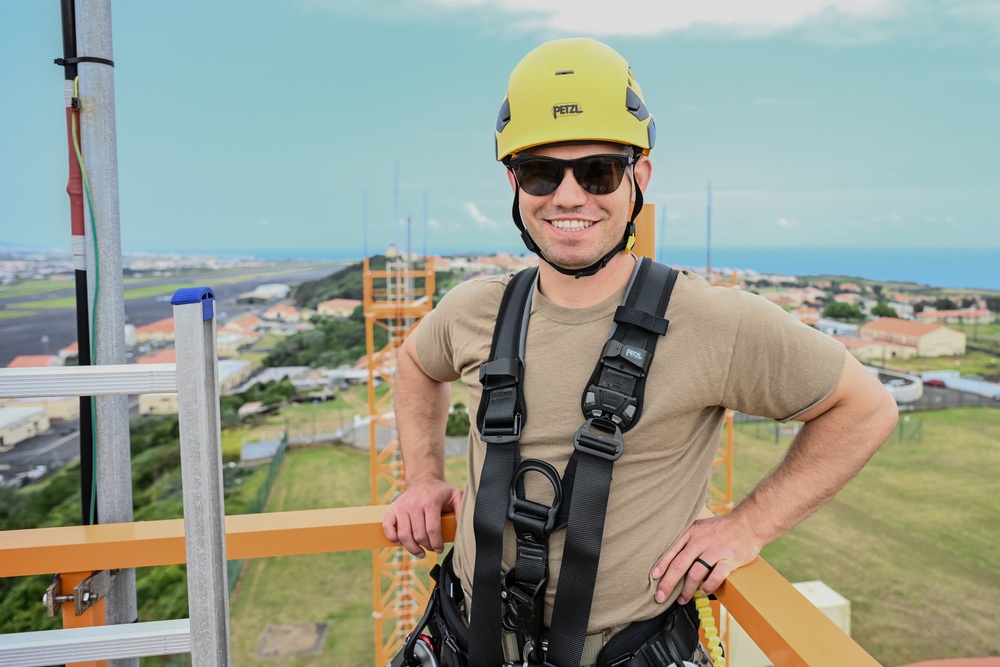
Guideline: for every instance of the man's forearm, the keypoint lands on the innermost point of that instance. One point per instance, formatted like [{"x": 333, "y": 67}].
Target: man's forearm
[{"x": 825, "y": 455}]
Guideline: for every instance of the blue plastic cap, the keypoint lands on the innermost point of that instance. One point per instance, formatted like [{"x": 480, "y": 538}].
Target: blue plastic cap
[{"x": 203, "y": 295}]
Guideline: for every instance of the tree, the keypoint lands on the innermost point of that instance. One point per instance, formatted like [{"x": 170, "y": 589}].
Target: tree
[
  {"x": 945, "y": 304},
  {"x": 842, "y": 311},
  {"x": 882, "y": 309}
]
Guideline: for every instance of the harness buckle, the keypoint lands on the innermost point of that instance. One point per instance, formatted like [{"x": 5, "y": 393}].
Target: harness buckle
[
  {"x": 503, "y": 435},
  {"x": 596, "y": 443},
  {"x": 531, "y": 514},
  {"x": 524, "y": 608},
  {"x": 501, "y": 420}
]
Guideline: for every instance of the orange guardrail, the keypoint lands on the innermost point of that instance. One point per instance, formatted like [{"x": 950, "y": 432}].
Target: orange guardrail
[{"x": 790, "y": 630}]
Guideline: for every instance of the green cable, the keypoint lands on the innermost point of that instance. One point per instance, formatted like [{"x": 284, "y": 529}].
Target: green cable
[{"x": 93, "y": 319}]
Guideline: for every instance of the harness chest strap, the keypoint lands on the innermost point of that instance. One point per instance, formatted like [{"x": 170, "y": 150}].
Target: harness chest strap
[{"x": 612, "y": 403}]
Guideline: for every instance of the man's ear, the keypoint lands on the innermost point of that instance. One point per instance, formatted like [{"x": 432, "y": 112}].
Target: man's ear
[
  {"x": 513, "y": 181},
  {"x": 643, "y": 172}
]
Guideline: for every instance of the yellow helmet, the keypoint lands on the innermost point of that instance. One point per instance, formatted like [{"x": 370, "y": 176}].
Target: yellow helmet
[{"x": 575, "y": 89}]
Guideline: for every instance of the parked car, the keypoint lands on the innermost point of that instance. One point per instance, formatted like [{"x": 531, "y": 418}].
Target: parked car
[{"x": 934, "y": 382}]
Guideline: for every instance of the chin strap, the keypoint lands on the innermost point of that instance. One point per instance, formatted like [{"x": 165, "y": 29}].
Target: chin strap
[{"x": 628, "y": 240}]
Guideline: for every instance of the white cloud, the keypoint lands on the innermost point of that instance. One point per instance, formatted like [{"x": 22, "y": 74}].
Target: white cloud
[
  {"x": 481, "y": 220},
  {"x": 653, "y": 17},
  {"x": 264, "y": 222},
  {"x": 787, "y": 223},
  {"x": 834, "y": 22},
  {"x": 434, "y": 223}
]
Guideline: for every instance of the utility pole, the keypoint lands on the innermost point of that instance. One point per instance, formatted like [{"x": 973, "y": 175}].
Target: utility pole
[
  {"x": 105, "y": 286},
  {"x": 708, "y": 241}
]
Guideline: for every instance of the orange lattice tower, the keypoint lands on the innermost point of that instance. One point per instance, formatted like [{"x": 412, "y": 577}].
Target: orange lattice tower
[{"x": 395, "y": 300}]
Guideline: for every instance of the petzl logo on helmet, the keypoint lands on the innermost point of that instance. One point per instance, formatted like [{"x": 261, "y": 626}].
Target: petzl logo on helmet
[{"x": 566, "y": 110}]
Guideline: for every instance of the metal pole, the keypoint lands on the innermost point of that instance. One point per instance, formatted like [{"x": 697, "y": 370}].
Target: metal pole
[
  {"x": 201, "y": 476},
  {"x": 104, "y": 284},
  {"x": 708, "y": 240}
]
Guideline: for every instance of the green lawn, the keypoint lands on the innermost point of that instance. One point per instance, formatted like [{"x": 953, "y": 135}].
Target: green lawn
[
  {"x": 972, "y": 362},
  {"x": 33, "y": 287},
  {"x": 12, "y": 314},
  {"x": 911, "y": 542},
  {"x": 322, "y": 588}
]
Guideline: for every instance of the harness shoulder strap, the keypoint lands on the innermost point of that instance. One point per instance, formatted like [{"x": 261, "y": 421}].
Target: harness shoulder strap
[
  {"x": 499, "y": 420},
  {"x": 612, "y": 403}
]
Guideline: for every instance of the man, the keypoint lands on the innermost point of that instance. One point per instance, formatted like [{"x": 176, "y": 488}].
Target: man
[{"x": 575, "y": 136}]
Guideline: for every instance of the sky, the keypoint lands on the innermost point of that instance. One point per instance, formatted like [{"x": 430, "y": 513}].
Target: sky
[{"x": 319, "y": 127}]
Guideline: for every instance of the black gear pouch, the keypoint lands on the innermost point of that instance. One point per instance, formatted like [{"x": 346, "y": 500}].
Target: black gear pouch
[
  {"x": 449, "y": 626},
  {"x": 660, "y": 641}
]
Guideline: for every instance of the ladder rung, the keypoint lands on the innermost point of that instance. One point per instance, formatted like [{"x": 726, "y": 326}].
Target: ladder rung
[
  {"x": 105, "y": 642},
  {"x": 88, "y": 380}
]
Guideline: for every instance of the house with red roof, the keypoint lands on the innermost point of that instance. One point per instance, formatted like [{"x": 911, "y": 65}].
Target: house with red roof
[
  {"x": 930, "y": 340},
  {"x": 337, "y": 307},
  {"x": 161, "y": 331},
  {"x": 34, "y": 361}
]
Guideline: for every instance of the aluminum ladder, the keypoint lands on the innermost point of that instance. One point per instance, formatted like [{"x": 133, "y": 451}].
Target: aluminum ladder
[{"x": 205, "y": 635}]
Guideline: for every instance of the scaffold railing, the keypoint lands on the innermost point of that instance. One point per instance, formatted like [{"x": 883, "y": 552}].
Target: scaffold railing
[{"x": 787, "y": 627}]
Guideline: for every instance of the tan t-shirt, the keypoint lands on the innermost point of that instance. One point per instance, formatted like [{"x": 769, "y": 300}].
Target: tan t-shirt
[{"x": 724, "y": 348}]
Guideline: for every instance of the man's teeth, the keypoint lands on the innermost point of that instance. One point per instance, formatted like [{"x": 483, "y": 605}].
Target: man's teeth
[{"x": 571, "y": 224}]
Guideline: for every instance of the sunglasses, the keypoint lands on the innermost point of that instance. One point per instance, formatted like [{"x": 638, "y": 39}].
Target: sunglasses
[{"x": 596, "y": 174}]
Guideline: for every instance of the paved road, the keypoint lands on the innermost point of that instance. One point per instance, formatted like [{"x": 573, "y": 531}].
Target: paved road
[
  {"x": 23, "y": 335},
  {"x": 52, "y": 449}
]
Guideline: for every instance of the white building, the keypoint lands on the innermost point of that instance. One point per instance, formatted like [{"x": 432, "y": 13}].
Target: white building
[{"x": 19, "y": 424}]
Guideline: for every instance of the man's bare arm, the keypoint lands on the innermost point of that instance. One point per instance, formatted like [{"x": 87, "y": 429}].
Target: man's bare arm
[
  {"x": 839, "y": 436},
  {"x": 421, "y": 404}
]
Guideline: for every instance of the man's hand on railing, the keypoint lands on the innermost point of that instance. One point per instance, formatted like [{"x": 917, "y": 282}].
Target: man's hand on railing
[{"x": 413, "y": 520}]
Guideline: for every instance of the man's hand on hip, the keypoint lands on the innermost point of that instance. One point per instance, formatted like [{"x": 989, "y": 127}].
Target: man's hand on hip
[{"x": 703, "y": 557}]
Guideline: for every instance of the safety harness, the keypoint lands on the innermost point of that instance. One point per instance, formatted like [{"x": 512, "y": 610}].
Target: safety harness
[{"x": 612, "y": 404}]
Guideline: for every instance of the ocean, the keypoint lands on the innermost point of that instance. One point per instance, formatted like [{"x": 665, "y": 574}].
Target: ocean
[{"x": 960, "y": 268}]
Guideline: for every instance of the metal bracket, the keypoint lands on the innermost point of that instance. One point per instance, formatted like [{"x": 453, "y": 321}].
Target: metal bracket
[
  {"x": 53, "y": 598},
  {"x": 85, "y": 595}
]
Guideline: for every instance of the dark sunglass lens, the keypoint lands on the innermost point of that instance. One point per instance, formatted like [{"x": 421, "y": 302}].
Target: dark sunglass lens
[
  {"x": 599, "y": 175},
  {"x": 539, "y": 177}
]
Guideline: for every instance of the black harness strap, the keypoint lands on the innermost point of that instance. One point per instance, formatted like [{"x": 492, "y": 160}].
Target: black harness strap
[
  {"x": 501, "y": 414},
  {"x": 612, "y": 403}
]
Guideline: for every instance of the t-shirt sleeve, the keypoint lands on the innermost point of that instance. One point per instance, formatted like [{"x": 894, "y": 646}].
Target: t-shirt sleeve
[
  {"x": 780, "y": 367},
  {"x": 449, "y": 339}
]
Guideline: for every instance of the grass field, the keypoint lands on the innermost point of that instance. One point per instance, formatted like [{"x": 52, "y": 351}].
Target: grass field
[
  {"x": 911, "y": 542},
  {"x": 39, "y": 287},
  {"x": 12, "y": 314},
  {"x": 322, "y": 588}
]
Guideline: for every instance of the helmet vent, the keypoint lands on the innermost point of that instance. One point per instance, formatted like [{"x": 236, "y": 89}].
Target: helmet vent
[{"x": 565, "y": 71}]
